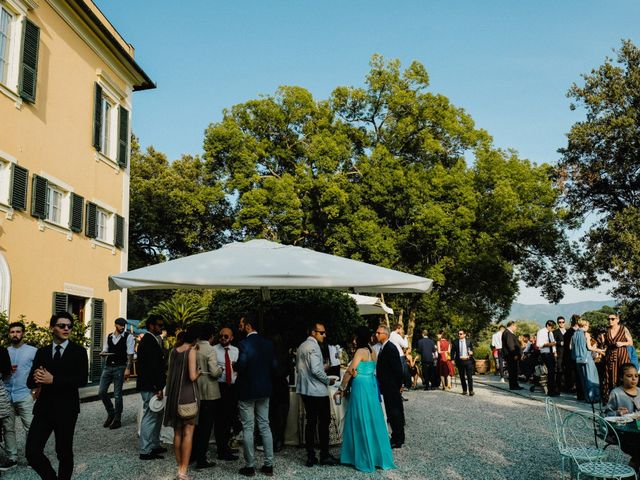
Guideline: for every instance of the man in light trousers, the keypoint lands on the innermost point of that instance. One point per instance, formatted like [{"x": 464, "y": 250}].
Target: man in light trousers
[{"x": 22, "y": 356}]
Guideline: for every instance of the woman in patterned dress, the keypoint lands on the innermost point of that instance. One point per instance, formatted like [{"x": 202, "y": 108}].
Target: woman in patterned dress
[{"x": 617, "y": 340}]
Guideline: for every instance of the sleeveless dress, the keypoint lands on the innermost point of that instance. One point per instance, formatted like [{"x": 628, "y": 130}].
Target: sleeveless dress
[
  {"x": 445, "y": 367},
  {"x": 365, "y": 441},
  {"x": 587, "y": 371},
  {"x": 614, "y": 358},
  {"x": 180, "y": 389}
]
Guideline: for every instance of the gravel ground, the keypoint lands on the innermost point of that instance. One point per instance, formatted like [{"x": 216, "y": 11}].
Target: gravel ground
[{"x": 493, "y": 435}]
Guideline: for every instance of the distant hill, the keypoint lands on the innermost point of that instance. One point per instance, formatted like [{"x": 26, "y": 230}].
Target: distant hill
[{"x": 542, "y": 312}]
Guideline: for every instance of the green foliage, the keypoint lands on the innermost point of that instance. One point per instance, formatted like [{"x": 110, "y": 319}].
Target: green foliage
[
  {"x": 600, "y": 173},
  {"x": 598, "y": 318},
  {"x": 40, "y": 336},
  {"x": 482, "y": 351},
  {"x": 525, "y": 327},
  {"x": 379, "y": 173},
  {"x": 178, "y": 314},
  {"x": 289, "y": 313}
]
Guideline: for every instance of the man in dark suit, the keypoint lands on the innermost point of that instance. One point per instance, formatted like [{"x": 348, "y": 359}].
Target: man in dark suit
[
  {"x": 58, "y": 370},
  {"x": 428, "y": 355},
  {"x": 255, "y": 367},
  {"x": 512, "y": 353},
  {"x": 570, "y": 368},
  {"x": 151, "y": 380},
  {"x": 389, "y": 374},
  {"x": 558, "y": 335},
  {"x": 461, "y": 353}
]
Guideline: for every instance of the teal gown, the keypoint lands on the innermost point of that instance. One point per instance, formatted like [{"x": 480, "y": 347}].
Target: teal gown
[{"x": 365, "y": 441}]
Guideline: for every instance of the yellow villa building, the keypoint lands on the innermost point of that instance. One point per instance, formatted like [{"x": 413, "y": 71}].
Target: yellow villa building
[{"x": 67, "y": 79}]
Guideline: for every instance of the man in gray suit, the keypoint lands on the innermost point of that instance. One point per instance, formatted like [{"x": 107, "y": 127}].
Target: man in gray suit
[
  {"x": 312, "y": 386},
  {"x": 209, "y": 394}
]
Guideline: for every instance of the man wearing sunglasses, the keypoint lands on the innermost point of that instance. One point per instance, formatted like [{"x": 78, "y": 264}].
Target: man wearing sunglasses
[
  {"x": 226, "y": 412},
  {"x": 312, "y": 384},
  {"x": 59, "y": 370}
]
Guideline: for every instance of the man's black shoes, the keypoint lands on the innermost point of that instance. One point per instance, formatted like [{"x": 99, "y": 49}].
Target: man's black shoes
[
  {"x": 115, "y": 424},
  {"x": 205, "y": 464},
  {"x": 311, "y": 461},
  {"x": 471, "y": 393},
  {"x": 159, "y": 450},
  {"x": 247, "y": 471},
  {"x": 107, "y": 423},
  {"x": 151, "y": 456},
  {"x": 328, "y": 460},
  {"x": 267, "y": 470}
]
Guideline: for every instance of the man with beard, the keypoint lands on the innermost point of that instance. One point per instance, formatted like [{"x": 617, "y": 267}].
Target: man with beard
[
  {"x": 226, "y": 411},
  {"x": 21, "y": 356}
]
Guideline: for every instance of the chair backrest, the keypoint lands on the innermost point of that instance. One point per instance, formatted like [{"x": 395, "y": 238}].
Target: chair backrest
[
  {"x": 554, "y": 422},
  {"x": 583, "y": 431}
]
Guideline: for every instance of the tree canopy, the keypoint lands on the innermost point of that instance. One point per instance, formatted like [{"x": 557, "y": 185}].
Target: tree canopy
[
  {"x": 599, "y": 173},
  {"x": 392, "y": 174}
]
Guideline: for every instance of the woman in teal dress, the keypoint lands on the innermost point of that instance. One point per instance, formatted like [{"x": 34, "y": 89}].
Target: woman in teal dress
[
  {"x": 365, "y": 440},
  {"x": 587, "y": 372}
]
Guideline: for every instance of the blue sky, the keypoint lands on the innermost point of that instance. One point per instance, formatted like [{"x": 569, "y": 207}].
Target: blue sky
[{"x": 508, "y": 64}]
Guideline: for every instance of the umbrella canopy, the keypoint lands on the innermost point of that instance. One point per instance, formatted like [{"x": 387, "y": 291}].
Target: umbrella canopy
[
  {"x": 370, "y": 305},
  {"x": 260, "y": 264}
]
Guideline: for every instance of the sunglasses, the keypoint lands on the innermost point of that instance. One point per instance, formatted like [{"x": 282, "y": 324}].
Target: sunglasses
[
  {"x": 323, "y": 332},
  {"x": 225, "y": 336},
  {"x": 461, "y": 333},
  {"x": 63, "y": 326},
  {"x": 612, "y": 318}
]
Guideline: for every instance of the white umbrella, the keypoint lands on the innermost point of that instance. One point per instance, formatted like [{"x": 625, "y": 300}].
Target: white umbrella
[
  {"x": 261, "y": 264},
  {"x": 370, "y": 305}
]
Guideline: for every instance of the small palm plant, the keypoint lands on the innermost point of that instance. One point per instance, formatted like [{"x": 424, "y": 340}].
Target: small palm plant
[{"x": 178, "y": 314}]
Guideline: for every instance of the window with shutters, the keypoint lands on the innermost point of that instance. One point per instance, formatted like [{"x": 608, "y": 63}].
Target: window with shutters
[
  {"x": 110, "y": 122},
  {"x": 104, "y": 225},
  {"x": 55, "y": 204},
  {"x": 5, "y": 181},
  {"x": 107, "y": 124},
  {"x": 19, "y": 46},
  {"x": 13, "y": 185}
]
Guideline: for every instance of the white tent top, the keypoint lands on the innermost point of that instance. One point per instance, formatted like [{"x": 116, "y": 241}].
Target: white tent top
[
  {"x": 263, "y": 264},
  {"x": 370, "y": 305}
]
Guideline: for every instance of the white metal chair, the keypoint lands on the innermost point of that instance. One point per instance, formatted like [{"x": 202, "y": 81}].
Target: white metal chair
[
  {"x": 582, "y": 431},
  {"x": 554, "y": 419}
]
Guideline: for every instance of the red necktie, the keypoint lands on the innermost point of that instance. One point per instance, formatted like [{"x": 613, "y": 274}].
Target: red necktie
[{"x": 227, "y": 366}]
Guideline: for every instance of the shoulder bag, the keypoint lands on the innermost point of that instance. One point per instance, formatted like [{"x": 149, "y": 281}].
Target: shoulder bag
[{"x": 187, "y": 411}]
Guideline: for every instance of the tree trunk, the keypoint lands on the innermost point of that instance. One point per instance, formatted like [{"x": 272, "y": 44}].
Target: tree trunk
[{"x": 411, "y": 325}]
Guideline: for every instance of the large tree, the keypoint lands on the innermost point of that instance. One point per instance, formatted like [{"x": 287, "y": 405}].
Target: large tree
[
  {"x": 600, "y": 172},
  {"x": 393, "y": 174}
]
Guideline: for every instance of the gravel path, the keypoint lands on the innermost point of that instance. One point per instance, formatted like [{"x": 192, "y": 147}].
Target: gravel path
[{"x": 493, "y": 435}]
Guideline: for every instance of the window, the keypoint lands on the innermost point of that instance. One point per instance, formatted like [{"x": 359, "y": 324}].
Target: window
[
  {"x": 110, "y": 124},
  {"x": 106, "y": 125},
  {"x": 102, "y": 218},
  {"x": 5, "y": 181},
  {"x": 104, "y": 225},
  {"x": 6, "y": 20},
  {"x": 19, "y": 48},
  {"x": 54, "y": 204},
  {"x": 13, "y": 183}
]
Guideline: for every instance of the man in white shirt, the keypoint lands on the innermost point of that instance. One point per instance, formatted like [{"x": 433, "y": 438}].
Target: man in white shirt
[
  {"x": 118, "y": 348},
  {"x": 496, "y": 342},
  {"x": 226, "y": 412},
  {"x": 545, "y": 341},
  {"x": 398, "y": 338}
]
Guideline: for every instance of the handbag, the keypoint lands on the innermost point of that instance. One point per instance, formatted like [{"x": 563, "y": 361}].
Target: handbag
[{"x": 187, "y": 411}]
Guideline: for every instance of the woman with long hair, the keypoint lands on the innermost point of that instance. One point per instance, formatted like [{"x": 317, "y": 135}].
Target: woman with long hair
[
  {"x": 365, "y": 441},
  {"x": 582, "y": 353},
  {"x": 445, "y": 365},
  {"x": 617, "y": 340},
  {"x": 181, "y": 411}
]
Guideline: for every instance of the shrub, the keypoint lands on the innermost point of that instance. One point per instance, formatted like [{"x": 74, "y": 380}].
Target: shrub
[{"x": 39, "y": 335}]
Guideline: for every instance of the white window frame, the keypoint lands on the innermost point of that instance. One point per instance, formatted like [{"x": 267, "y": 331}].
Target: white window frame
[
  {"x": 5, "y": 47},
  {"x": 62, "y": 224},
  {"x": 54, "y": 204},
  {"x": 18, "y": 9},
  {"x": 116, "y": 97},
  {"x": 108, "y": 229},
  {"x": 6, "y": 162}
]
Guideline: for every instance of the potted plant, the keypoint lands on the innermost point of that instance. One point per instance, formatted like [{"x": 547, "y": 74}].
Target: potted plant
[{"x": 481, "y": 355}]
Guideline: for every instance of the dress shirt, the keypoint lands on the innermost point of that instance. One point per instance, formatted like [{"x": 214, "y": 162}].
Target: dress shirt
[
  {"x": 115, "y": 338},
  {"x": 496, "y": 340},
  {"x": 233, "y": 356},
  {"x": 334, "y": 355},
  {"x": 545, "y": 336},
  {"x": 399, "y": 342},
  {"x": 376, "y": 348},
  {"x": 464, "y": 351},
  {"x": 16, "y": 384},
  {"x": 63, "y": 345}
]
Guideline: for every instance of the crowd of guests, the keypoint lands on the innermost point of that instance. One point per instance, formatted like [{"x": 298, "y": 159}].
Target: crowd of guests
[{"x": 566, "y": 358}]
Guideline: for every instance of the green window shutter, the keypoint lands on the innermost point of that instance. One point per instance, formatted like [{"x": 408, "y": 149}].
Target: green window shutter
[
  {"x": 118, "y": 239},
  {"x": 75, "y": 217},
  {"x": 90, "y": 222},
  {"x": 29, "y": 67},
  {"x": 123, "y": 136},
  {"x": 97, "y": 117},
  {"x": 39, "y": 197},
  {"x": 19, "y": 185},
  {"x": 60, "y": 302},
  {"x": 97, "y": 322}
]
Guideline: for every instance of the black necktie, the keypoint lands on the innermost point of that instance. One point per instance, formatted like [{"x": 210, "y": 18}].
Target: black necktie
[{"x": 57, "y": 355}]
